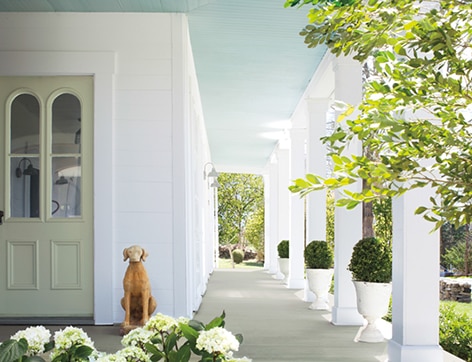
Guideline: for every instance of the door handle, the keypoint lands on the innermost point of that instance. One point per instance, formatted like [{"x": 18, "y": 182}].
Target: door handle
[{"x": 1, "y": 217}]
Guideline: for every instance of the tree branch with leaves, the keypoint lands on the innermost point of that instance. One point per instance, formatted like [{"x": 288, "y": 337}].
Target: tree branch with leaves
[{"x": 416, "y": 111}]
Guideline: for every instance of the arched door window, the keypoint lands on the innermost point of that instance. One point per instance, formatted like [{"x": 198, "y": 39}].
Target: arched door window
[
  {"x": 66, "y": 170},
  {"x": 63, "y": 140},
  {"x": 25, "y": 156}
]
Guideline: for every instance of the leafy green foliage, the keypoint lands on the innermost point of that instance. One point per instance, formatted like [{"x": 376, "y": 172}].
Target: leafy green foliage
[
  {"x": 330, "y": 218},
  {"x": 238, "y": 256},
  {"x": 318, "y": 255},
  {"x": 13, "y": 350},
  {"x": 283, "y": 249},
  {"x": 74, "y": 354},
  {"x": 382, "y": 209},
  {"x": 254, "y": 232},
  {"x": 239, "y": 197},
  {"x": 416, "y": 110},
  {"x": 169, "y": 347},
  {"x": 371, "y": 261},
  {"x": 455, "y": 332},
  {"x": 457, "y": 256}
]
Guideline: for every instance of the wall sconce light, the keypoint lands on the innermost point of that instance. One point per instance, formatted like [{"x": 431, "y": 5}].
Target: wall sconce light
[
  {"x": 28, "y": 171},
  {"x": 61, "y": 181},
  {"x": 212, "y": 174}
]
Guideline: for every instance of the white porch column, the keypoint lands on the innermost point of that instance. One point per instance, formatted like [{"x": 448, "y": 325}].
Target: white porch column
[
  {"x": 316, "y": 164},
  {"x": 415, "y": 304},
  {"x": 316, "y": 161},
  {"x": 296, "y": 278},
  {"x": 348, "y": 223},
  {"x": 283, "y": 197},
  {"x": 271, "y": 218}
]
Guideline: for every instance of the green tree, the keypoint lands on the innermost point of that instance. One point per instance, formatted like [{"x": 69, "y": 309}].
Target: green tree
[
  {"x": 382, "y": 210},
  {"x": 330, "y": 218},
  {"x": 254, "y": 233},
  {"x": 416, "y": 112},
  {"x": 239, "y": 197},
  {"x": 459, "y": 257}
]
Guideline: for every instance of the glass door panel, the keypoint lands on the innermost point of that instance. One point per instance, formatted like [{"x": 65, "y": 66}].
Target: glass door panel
[
  {"x": 24, "y": 157},
  {"x": 66, "y": 127},
  {"x": 24, "y": 187},
  {"x": 66, "y": 188},
  {"x": 24, "y": 123},
  {"x": 66, "y": 166}
]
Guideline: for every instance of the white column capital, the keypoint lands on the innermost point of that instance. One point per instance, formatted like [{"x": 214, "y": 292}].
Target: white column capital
[
  {"x": 343, "y": 62},
  {"x": 318, "y": 105}
]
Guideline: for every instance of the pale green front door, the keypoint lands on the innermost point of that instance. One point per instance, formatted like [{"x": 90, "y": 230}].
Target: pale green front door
[{"x": 46, "y": 236}]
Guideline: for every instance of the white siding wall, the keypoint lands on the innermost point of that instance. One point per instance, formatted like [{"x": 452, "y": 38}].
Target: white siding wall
[{"x": 157, "y": 146}]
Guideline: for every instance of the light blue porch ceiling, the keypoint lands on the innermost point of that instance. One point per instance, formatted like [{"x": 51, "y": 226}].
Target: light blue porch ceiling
[{"x": 252, "y": 66}]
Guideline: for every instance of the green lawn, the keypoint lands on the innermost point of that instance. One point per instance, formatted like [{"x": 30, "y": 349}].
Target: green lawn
[
  {"x": 226, "y": 264},
  {"x": 462, "y": 308}
]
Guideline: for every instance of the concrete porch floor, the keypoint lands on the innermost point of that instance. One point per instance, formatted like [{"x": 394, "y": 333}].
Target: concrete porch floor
[{"x": 275, "y": 323}]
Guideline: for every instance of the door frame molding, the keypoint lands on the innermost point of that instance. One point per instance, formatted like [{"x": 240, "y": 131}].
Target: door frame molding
[{"x": 101, "y": 65}]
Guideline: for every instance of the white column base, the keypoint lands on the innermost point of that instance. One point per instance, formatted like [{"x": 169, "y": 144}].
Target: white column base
[
  {"x": 296, "y": 283},
  {"x": 401, "y": 353},
  {"x": 278, "y": 275},
  {"x": 346, "y": 317},
  {"x": 308, "y": 295}
]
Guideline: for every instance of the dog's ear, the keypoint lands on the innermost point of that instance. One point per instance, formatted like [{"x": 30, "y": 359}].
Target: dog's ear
[
  {"x": 144, "y": 254},
  {"x": 125, "y": 254}
]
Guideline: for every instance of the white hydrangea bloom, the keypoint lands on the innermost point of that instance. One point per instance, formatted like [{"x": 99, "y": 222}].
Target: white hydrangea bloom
[
  {"x": 111, "y": 358},
  {"x": 137, "y": 337},
  {"x": 243, "y": 359},
  {"x": 229, "y": 358},
  {"x": 36, "y": 337},
  {"x": 181, "y": 320},
  {"x": 161, "y": 323},
  {"x": 70, "y": 336},
  {"x": 133, "y": 354},
  {"x": 217, "y": 340}
]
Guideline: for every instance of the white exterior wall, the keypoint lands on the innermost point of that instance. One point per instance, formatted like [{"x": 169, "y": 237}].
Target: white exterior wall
[{"x": 150, "y": 143}]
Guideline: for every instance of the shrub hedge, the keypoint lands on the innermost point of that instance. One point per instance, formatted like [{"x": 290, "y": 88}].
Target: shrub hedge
[
  {"x": 238, "y": 256},
  {"x": 455, "y": 332}
]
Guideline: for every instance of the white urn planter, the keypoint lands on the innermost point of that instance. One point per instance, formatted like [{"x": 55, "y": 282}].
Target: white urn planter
[
  {"x": 372, "y": 303},
  {"x": 284, "y": 268},
  {"x": 319, "y": 282}
]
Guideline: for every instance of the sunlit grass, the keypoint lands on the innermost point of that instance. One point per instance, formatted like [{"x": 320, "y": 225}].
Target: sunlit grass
[
  {"x": 226, "y": 264},
  {"x": 461, "y": 308}
]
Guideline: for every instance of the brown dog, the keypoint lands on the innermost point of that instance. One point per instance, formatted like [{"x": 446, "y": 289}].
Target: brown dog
[{"x": 138, "y": 302}]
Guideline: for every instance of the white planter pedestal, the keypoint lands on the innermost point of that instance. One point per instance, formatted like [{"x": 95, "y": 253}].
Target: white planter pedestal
[
  {"x": 319, "y": 282},
  {"x": 284, "y": 267},
  {"x": 372, "y": 303}
]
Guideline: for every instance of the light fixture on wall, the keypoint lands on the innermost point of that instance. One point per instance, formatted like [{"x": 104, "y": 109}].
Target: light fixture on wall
[
  {"x": 213, "y": 174},
  {"x": 28, "y": 171},
  {"x": 61, "y": 181}
]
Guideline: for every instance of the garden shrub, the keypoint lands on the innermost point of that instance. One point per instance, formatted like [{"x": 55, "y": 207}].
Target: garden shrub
[
  {"x": 283, "y": 249},
  {"x": 455, "y": 332},
  {"x": 371, "y": 261},
  {"x": 238, "y": 256}
]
